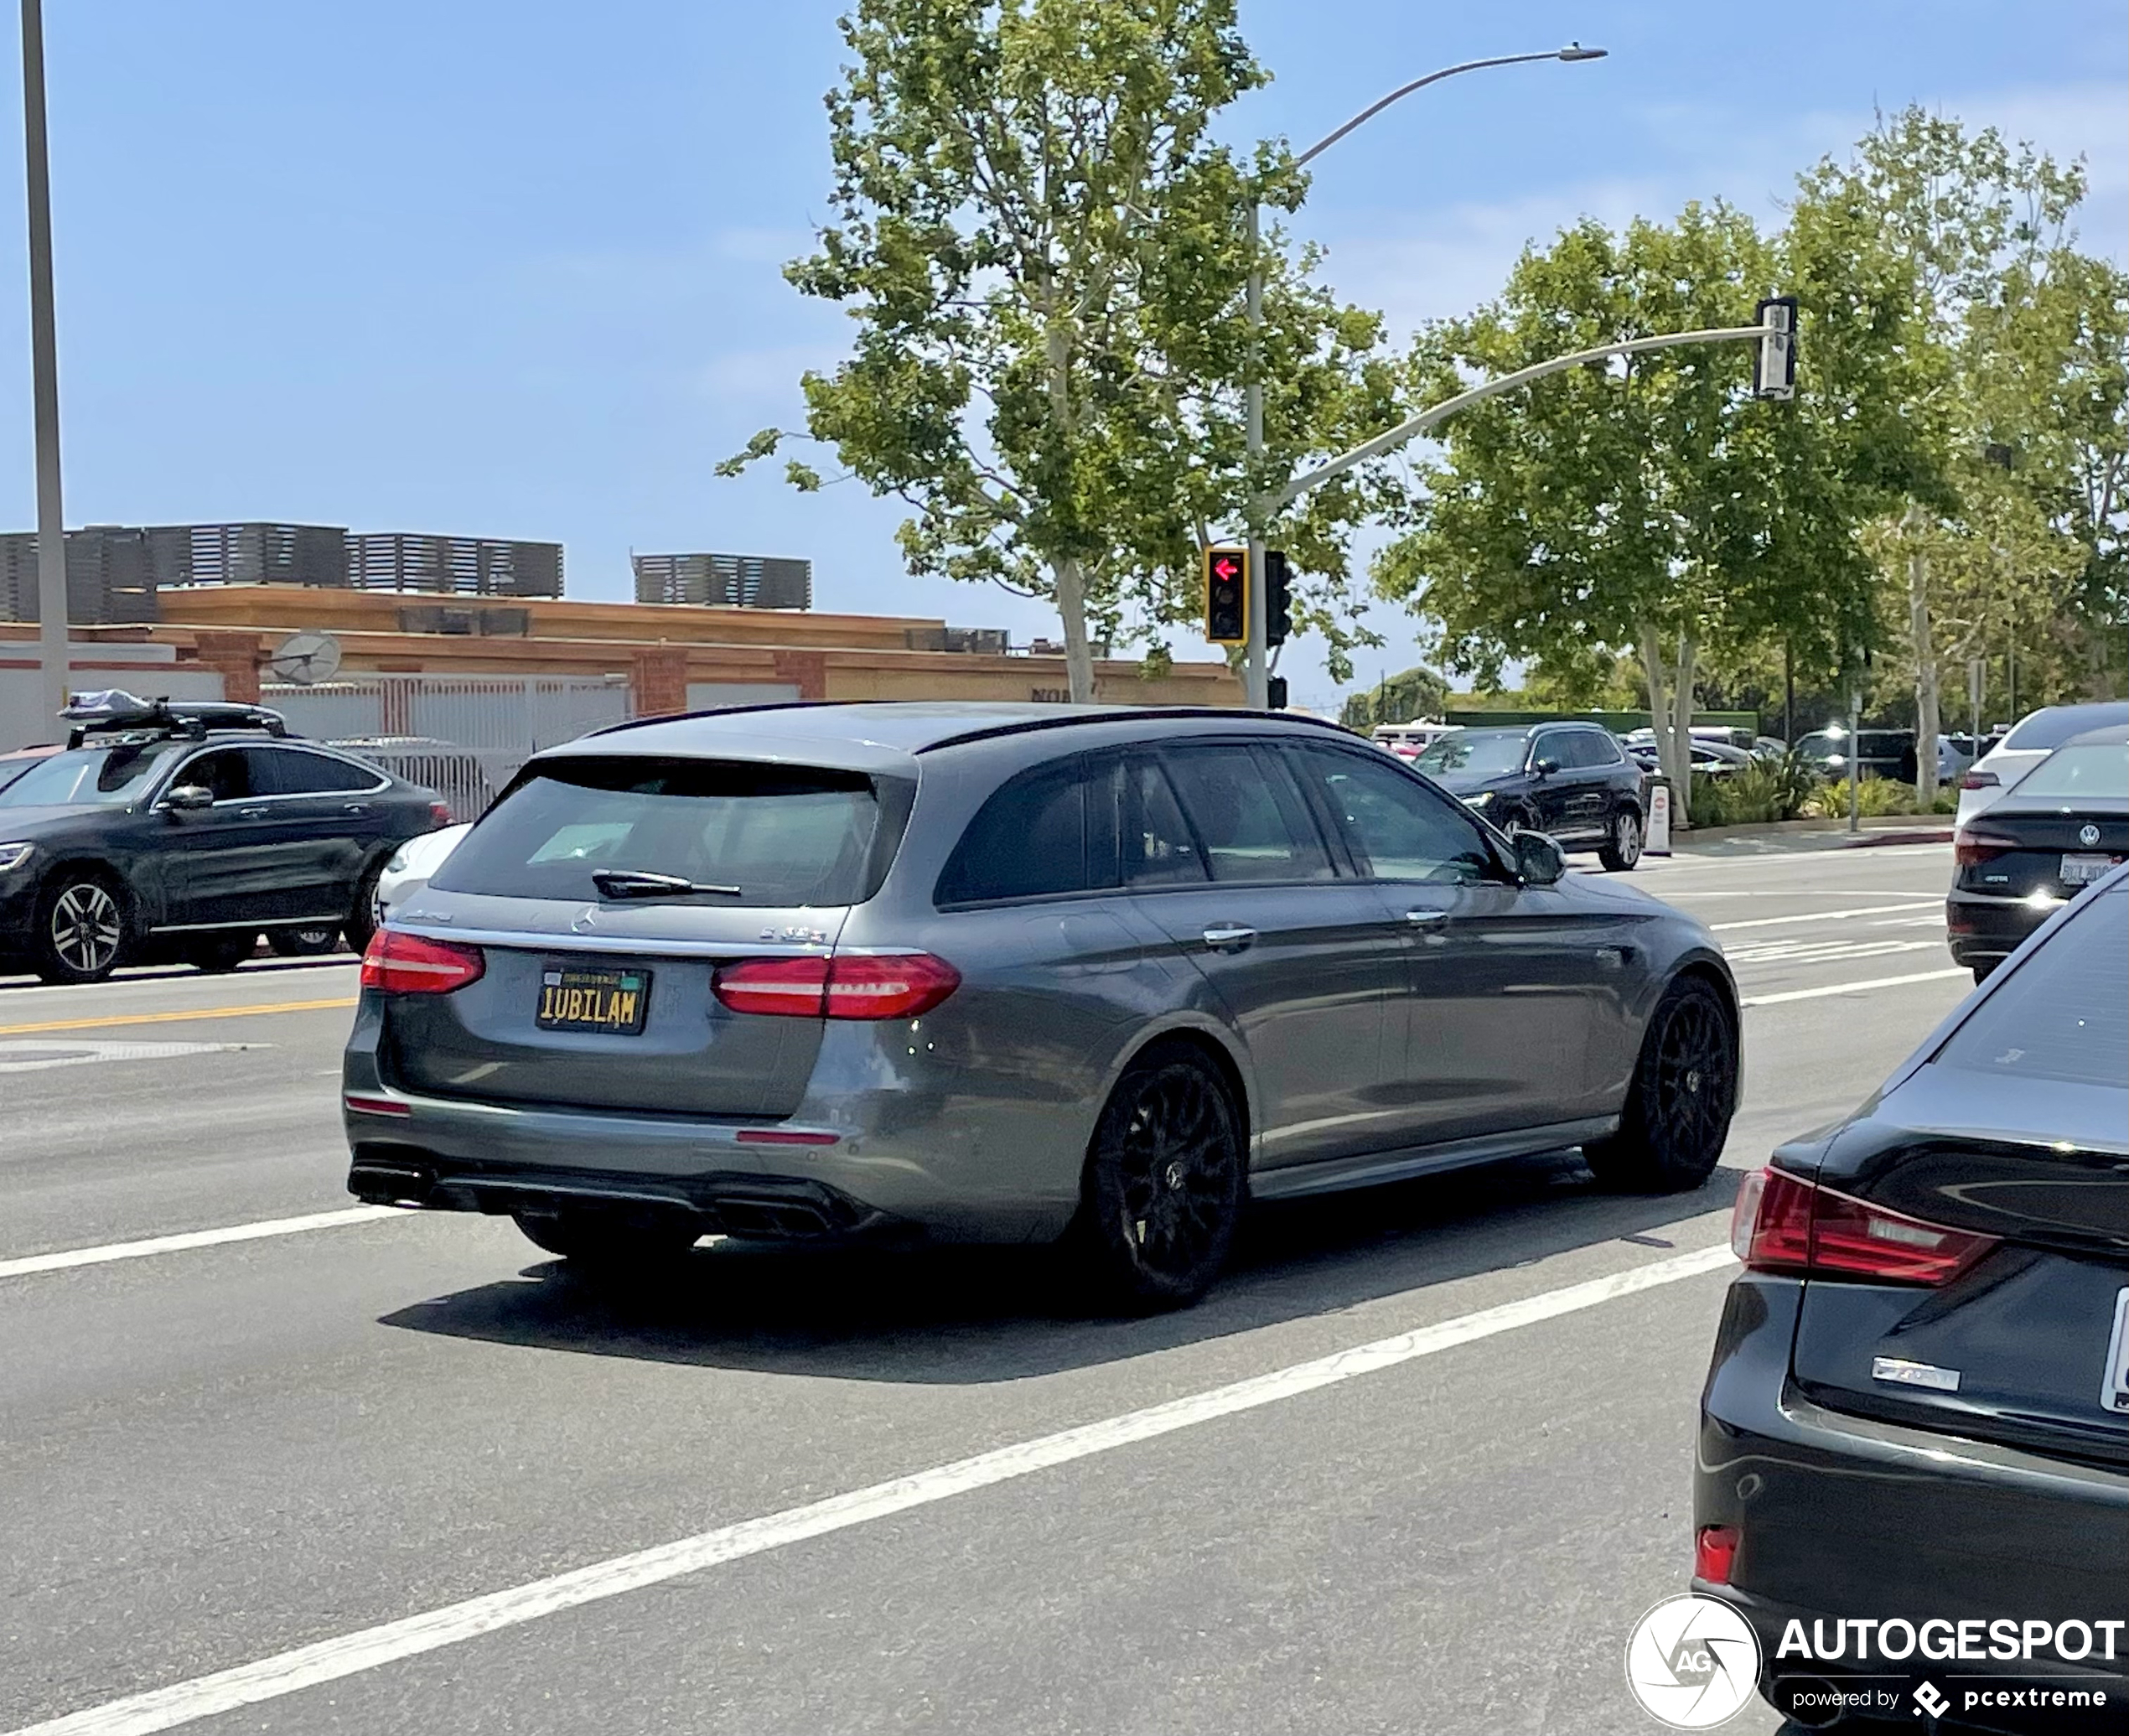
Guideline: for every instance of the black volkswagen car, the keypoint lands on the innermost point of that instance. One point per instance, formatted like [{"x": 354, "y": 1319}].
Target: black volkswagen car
[
  {"x": 1572, "y": 781},
  {"x": 184, "y": 832},
  {"x": 2064, "y": 825},
  {"x": 1913, "y": 1464}
]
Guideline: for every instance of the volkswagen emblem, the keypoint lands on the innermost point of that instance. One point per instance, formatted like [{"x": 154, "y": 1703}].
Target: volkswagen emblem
[
  {"x": 585, "y": 920},
  {"x": 2088, "y": 834}
]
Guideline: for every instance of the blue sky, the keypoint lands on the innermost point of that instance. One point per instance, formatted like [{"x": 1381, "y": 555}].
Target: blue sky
[{"x": 510, "y": 267}]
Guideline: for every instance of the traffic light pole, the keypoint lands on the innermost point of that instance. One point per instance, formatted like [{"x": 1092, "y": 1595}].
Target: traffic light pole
[
  {"x": 44, "y": 385},
  {"x": 1256, "y": 662}
]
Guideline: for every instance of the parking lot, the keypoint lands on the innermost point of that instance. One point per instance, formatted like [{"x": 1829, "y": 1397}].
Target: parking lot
[{"x": 1416, "y": 1464}]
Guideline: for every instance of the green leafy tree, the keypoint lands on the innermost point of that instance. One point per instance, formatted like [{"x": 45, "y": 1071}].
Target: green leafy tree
[
  {"x": 1042, "y": 250},
  {"x": 1414, "y": 695},
  {"x": 1650, "y": 504}
]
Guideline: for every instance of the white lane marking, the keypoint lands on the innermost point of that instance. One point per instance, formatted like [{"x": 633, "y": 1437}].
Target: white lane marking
[
  {"x": 25, "y": 1055},
  {"x": 258, "y": 1230},
  {"x": 288, "y": 1672},
  {"x": 1826, "y": 915},
  {"x": 1850, "y": 989},
  {"x": 1824, "y": 952}
]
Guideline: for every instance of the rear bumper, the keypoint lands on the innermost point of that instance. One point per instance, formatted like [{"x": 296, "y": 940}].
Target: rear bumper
[
  {"x": 1843, "y": 1519},
  {"x": 1983, "y": 930}
]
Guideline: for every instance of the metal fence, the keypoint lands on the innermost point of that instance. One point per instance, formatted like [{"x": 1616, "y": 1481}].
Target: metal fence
[{"x": 414, "y": 724}]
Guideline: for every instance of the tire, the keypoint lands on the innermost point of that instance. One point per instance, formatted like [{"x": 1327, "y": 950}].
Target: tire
[
  {"x": 1684, "y": 1092},
  {"x": 303, "y": 943},
  {"x": 1986, "y": 969},
  {"x": 220, "y": 953},
  {"x": 1622, "y": 846},
  {"x": 82, "y": 927},
  {"x": 1161, "y": 1192},
  {"x": 609, "y": 1241},
  {"x": 362, "y": 915}
]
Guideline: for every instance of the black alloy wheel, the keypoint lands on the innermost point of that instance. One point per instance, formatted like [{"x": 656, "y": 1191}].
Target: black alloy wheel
[
  {"x": 219, "y": 953},
  {"x": 1622, "y": 846},
  {"x": 1683, "y": 1093},
  {"x": 81, "y": 927},
  {"x": 303, "y": 943},
  {"x": 1162, "y": 1194}
]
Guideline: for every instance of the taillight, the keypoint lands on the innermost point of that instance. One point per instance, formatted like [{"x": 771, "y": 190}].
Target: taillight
[
  {"x": 1971, "y": 848},
  {"x": 1977, "y": 780},
  {"x": 1715, "y": 1552},
  {"x": 1784, "y": 1223},
  {"x": 877, "y": 985},
  {"x": 440, "y": 811},
  {"x": 410, "y": 965}
]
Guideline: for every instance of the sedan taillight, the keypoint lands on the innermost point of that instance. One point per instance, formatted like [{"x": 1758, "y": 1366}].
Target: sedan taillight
[
  {"x": 410, "y": 965},
  {"x": 873, "y": 986},
  {"x": 1977, "y": 780},
  {"x": 440, "y": 812},
  {"x": 1784, "y": 1223},
  {"x": 1969, "y": 849}
]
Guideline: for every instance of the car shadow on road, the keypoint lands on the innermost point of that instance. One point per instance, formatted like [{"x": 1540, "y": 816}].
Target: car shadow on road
[{"x": 969, "y": 1316}]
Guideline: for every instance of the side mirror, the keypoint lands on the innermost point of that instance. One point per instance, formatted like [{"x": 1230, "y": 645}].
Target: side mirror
[
  {"x": 1538, "y": 859},
  {"x": 1545, "y": 767},
  {"x": 189, "y": 798}
]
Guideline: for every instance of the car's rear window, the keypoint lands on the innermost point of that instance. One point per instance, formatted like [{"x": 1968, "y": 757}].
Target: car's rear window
[
  {"x": 2064, "y": 1013},
  {"x": 783, "y": 835},
  {"x": 2091, "y": 770},
  {"x": 2054, "y": 725}
]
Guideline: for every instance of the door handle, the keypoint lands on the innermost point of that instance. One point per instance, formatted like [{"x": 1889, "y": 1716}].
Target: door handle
[
  {"x": 250, "y": 813},
  {"x": 355, "y": 807},
  {"x": 1229, "y": 937},
  {"x": 1428, "y": 919}
]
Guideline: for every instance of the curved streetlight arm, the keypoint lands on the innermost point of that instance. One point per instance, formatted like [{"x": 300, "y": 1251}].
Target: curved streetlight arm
[
  {"x": 1370, "y": 113},
  {"x": 1394, "y": 437}
]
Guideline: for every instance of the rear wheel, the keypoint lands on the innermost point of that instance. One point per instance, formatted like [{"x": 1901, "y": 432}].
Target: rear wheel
[
  {"x": 362, "y": 915},
  {"x": 1622, "y": 846},
  {"x": 1161, "y": 1192},
  {"x": 610, "y": 1241},
  {"x": 1684, "y": 1092},
  {"x": 303, "y": 943},
  {"x": 81, "y": 927},
  {"x": 220, "y": 953}
]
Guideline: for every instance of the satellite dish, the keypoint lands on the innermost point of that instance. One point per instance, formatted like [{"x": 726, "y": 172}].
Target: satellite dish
[{"x": 305, "y": 658}]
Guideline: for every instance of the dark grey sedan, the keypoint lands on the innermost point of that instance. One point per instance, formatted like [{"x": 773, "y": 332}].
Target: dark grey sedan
[{"x": 1008, "y": 973}]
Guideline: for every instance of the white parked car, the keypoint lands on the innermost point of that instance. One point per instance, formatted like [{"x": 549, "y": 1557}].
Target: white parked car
[
  {"x": 411, "y": 866},
  {"x": 1408, "y": 741},
  {"x": 2037, "y": 735}
]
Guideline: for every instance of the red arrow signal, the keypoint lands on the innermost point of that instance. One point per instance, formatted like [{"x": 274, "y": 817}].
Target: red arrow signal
[{"x": 1226, "y": 566}]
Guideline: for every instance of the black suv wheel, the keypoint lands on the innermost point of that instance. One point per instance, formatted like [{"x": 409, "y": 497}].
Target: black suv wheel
[
  {"x": 1683, "y": 1093},
  {"x": 81, "y": 927},
  {"x": 1622, "y": 846}
]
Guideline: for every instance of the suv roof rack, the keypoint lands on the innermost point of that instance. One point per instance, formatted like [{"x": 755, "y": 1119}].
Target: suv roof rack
[{"x": 111, "y": 711}]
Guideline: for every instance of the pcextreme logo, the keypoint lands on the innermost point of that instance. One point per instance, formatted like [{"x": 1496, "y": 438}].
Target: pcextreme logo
[{"x": 1693, "y": 1662}]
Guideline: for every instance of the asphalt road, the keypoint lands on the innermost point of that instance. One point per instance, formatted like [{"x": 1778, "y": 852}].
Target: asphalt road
[{"x": 425, "y": 1479}]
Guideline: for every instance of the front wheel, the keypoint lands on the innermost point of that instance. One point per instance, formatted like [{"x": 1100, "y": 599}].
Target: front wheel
[
  {"x": 303, "y": 943},
  {"x": 1162, "y": 1193},
  {"x": 82, "y": 928},
  {"x": 1684, "y": 1092},
  {"x": 1622, "y": 846}
]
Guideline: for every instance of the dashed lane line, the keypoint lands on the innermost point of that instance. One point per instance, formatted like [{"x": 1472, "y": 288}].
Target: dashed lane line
[
  {"x": 346, "y": 1654},
  {"x": 1935, "y": 904},
  {"x": 67, "y": 1259},
  {"x": 1849, "y": 988}
]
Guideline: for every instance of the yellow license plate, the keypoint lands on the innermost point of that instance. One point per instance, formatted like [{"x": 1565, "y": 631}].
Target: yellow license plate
[{"x": 614, "y": 1001}]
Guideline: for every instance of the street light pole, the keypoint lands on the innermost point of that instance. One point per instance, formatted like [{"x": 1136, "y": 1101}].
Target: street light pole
[
  {"x": 1256, "y": 676},
  {"x": 44, "y": 381}
]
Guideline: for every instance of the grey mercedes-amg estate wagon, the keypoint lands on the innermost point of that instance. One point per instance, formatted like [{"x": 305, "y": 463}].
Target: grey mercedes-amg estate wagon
[{"x": 1008, "y": 973}]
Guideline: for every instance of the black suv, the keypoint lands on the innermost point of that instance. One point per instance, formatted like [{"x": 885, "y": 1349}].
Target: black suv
[
  {"x": 182, "y": 832},
  {"x": 1570, "y": 780}
]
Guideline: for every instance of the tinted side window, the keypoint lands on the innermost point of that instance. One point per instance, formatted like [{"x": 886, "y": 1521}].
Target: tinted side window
[
  {"x": 1029, "y": 840},
  {"x": 1400, "y": 829},
  {"x": 225, "y": 772},
  {"x": 1593, "y": 748},
  {"x": 2065, "y": 1011},
  {"x": 1157, "y": 847},
  {"x": 1247, "y": 815},
  {"x": 295, "y": 771},
  {"x": 1556, "y": 745}
]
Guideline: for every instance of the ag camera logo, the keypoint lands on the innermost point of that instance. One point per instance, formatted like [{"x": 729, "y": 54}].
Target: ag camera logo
[{"x": 1693, "y": 1662}]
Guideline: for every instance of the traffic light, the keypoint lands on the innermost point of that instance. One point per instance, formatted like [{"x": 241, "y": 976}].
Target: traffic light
[
  {"x": 1227, "y": 595},
  {"x": 1773, "y": 363},
  {"x": 1278, "y": 616},
  {"x": 1275, "y": 693}
]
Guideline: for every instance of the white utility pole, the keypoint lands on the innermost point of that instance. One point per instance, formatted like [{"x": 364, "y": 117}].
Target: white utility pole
[
  {"x": 44, "y": 378},
  {"x": 1256, "y": 669}
]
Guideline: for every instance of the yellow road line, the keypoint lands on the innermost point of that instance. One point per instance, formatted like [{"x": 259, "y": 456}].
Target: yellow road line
[{"x": 83, "y": 1024}]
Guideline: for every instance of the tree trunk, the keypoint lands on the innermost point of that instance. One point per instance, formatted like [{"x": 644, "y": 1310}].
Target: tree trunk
[
  {"x": 1670, "y": 716},
  {"x": 1071, "y": 610},
  {"x": 1926, "y": 698}
]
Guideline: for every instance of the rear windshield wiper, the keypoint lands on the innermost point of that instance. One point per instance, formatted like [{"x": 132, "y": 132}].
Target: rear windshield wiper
[{"x": 639, "y": 883}]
